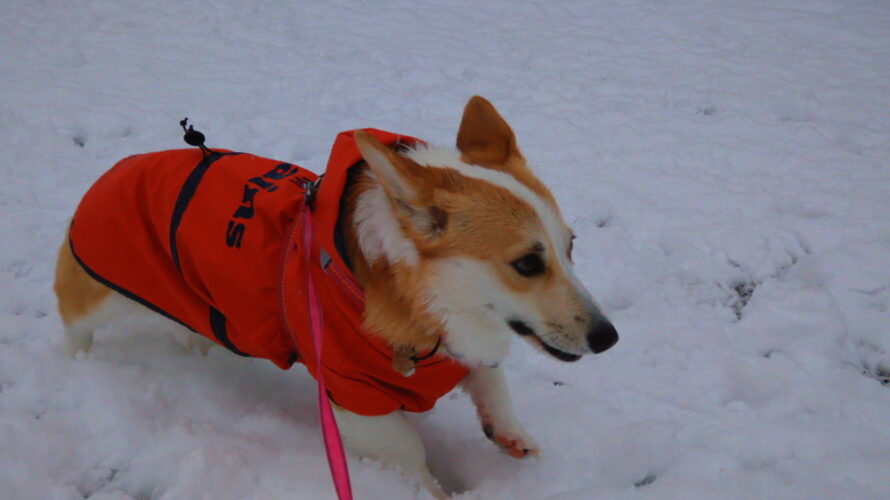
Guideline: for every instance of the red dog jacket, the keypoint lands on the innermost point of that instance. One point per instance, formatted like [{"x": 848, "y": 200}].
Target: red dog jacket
[{"x": 201, "y": 240}]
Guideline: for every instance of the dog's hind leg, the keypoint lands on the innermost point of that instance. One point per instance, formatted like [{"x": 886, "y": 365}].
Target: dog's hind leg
[
  {"x": 389, "y": 439},
  {"x": 78, "y": 337},
  {"x": 84, "y": 303}
]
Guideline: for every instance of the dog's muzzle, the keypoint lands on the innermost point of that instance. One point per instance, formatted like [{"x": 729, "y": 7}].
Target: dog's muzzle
[{"x": 601, "y": 336}]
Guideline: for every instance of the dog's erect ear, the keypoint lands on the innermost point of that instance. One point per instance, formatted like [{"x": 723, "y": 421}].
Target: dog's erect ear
[
  {"x": 484, "y": 138},
  {"x": 401, "y": 182}
]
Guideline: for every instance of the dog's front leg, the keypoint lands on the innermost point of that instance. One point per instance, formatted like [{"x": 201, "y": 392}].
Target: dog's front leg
[
  {"x": 488, "y": 390},
  {"x": 389, "y": 439}
]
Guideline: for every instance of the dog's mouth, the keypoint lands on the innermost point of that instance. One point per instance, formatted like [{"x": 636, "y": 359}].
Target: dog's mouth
[{"x": 526, "y": 331}]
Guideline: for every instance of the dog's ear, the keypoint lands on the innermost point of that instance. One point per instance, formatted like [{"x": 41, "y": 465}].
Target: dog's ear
[
  {"x": 402, "y": 183},
  {"x": 484, "y": 138},
  {"x": 391, "y": 170}
]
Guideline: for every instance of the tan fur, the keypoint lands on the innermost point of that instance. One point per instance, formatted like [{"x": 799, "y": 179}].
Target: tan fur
[
  {"x": 484, "y": 221},
  {"x": 476, "y": 227},
  {"x": 78, "y": 294},
  {"x": 392, "y": 310}
]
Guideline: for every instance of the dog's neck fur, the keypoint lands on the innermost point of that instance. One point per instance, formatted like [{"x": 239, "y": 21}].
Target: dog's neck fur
[{"x": 381, "y": 256}]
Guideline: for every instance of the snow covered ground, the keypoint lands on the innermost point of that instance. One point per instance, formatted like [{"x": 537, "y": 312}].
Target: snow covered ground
[{"x": 725, "y": 165}]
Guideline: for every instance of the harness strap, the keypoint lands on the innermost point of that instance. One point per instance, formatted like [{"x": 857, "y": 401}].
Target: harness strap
[{"x": 331, "y": 435}]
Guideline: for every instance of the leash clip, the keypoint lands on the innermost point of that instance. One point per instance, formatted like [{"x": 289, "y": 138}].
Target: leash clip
[{"x": 310, "y": 190}]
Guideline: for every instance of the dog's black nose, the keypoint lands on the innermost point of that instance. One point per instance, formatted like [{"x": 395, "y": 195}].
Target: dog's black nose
[{"x": 602, "y": 336}]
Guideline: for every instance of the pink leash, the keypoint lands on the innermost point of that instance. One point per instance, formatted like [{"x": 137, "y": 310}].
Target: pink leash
[{"x": 332, "y": 443}]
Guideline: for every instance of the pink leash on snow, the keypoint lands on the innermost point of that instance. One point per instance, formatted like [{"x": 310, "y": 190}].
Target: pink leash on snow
[
  {"x": 331, "y": 435},
  {"x": 332, "y": 443}
]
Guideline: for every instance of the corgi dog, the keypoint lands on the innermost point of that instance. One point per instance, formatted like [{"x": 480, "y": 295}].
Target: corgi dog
[{"x": 461, "y": 248}]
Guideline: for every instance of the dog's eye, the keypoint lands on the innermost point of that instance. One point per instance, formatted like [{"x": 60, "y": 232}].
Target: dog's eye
[{"x": 529, "y": 265}]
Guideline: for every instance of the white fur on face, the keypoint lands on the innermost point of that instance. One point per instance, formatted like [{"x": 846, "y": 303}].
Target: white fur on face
[
  {"x": 378, "y": 229},
  {"x": 467, "y": 295},
  {"x": 464, "y": 293}
]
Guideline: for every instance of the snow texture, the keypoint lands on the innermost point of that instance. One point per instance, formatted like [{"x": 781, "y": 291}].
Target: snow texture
[{"x": 724, "y": 164}]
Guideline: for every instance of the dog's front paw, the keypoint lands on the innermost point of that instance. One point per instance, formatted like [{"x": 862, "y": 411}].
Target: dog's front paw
[{"x": 515, "y": 443}]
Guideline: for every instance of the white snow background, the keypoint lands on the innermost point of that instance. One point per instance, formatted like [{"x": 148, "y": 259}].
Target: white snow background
[{"x": 724, "y": 164}]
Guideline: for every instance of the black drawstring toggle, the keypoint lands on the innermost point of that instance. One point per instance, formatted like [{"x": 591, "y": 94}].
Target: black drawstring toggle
[{"x": 192, "y": 137}]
